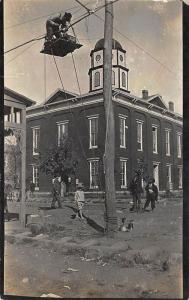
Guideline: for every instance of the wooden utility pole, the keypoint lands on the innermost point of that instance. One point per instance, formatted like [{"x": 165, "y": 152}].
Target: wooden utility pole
[
  {"x": 110, "y": 199},
  {"x": 23, "y": 170}
]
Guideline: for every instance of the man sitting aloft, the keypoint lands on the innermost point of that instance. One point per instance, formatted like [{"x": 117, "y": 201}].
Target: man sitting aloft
[{"x": 58, "y": 26}]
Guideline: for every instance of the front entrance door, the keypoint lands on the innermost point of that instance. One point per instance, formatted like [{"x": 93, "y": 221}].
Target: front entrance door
[{"x": 156, "y": 174}]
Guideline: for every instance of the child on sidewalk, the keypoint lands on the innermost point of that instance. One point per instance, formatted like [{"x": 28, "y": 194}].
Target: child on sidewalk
[{"x": 80, "y": 199}]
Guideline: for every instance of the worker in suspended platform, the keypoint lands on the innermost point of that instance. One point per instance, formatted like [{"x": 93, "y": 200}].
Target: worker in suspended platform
[{"x": 58, "y": 26}]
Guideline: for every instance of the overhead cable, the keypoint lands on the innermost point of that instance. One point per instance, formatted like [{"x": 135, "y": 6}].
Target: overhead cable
[
  {"x": 41, "y": 17},
  {"x": 138, "y": 46},
  {"x": 12, "y": 59},
  {"x": 42, "y": 36}
]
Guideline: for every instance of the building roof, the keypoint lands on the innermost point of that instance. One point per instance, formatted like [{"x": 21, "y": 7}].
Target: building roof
[
  {"x": 60, "y": 95},
  {"x": 100, "y": 45},
  {"x": 157, "y": 100},
  {"x": 94, "y": 97},
  {"x": 152, "y": 103},
  {"x": 23, "y": 99}
]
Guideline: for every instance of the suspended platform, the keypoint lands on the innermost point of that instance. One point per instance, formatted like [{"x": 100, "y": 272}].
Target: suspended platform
[{"x": 61, "y": 46}]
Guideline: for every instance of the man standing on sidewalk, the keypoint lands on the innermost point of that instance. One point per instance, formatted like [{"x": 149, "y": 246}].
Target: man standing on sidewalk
[
  {"x": 56, "y": 191},
  {"x": 136, "y": 190}
]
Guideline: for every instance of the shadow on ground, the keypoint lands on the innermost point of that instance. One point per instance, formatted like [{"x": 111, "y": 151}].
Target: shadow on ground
[{"x": 90, "y": 222}]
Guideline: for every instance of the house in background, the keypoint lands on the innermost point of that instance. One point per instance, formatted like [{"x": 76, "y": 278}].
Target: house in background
[
  {"x": 15, "y": 142},
  {"x": 146, "y": 130}
]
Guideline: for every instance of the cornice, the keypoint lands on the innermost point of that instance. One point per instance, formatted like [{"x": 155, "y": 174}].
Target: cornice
[
  {"x": 113, "y": 66},
  {"x": 131, "y": 101},
  {"x": 99, "y": 49}
]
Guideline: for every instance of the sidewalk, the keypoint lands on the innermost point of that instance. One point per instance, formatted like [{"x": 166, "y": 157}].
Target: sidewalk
[{"x": 13, "y": 226}]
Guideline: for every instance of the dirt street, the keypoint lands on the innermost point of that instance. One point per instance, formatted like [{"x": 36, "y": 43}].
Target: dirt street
[{"x": 33, "y": 271}]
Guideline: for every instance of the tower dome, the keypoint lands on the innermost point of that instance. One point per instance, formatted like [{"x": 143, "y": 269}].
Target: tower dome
[{"x": 100, "y": 45}]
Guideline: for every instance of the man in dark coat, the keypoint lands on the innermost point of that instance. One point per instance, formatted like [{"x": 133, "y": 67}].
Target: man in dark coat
[
  {"x": 32, "y": 187},
  {"x": 57, "y": 25},
  {"x": 151, "y": 194},
  {"x": 56, "y": 191},
  {"x": 136, "y": 190}
]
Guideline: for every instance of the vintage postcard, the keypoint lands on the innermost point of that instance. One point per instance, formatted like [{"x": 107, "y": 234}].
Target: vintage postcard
[{"x": 93, "y": 156}]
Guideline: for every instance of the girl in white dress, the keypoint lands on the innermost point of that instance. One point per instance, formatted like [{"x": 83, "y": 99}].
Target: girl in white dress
[{"x": 80, "y": 199}]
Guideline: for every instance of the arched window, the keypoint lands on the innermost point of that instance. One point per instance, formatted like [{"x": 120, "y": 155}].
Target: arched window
[
  {"x": 123, "y": 79},
  {"x": 113, "y": 78},
  {"x": 97, "y": 79}
]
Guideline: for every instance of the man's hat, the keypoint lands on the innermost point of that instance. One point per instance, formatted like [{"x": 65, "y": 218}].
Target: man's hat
[
  {"x": 67, "y": 16},
  {"x": 152, "y": 180}
]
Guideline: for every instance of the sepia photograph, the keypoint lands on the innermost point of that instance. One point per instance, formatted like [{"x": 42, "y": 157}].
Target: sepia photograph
[{"x": 93, "y": 148}]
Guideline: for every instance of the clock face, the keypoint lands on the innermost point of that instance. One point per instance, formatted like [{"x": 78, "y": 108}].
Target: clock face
[
  {"x": 121, "y": 57},
  {"x": 98, "y": 57}
]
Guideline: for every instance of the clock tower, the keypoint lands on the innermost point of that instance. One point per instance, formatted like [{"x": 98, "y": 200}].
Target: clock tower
[{"x": 119, "y": 70}]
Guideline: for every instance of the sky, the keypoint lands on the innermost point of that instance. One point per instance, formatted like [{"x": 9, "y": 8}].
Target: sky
[{"x": 150, "y": 32}]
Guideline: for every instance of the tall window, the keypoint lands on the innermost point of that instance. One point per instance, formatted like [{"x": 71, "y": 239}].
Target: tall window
[
  {"x": 154, "y": 139},
  {"x": 179, "y": 147},
  {"x": 36, "y": 136},
  {"x": 7, "y": 114},
  {"x": 123, "y": 79},
  {"x": 169, "y": 175},
  {"x": 62, "y": 131},
  {"x": 180, "y": 177},
  {"x": 113, "y": 77},
  {"x": 36, "y": 177},
  {"x": 123, "y": 173},
  {"x": 94, "y": 174},
  {"x": 139, "y": 136},
  {"x": 17, "y": 115},
  {"x": 167, "y": 142},
  {"x": 93, "y": 132},
  {"x": 97, "y": 79},
  {"x": 122, "y": 131}
]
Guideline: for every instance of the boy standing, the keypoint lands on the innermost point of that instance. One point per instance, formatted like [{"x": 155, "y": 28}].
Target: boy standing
[
  {"x": 151, "y": 194},
  {"x": 80, "y": 199}
]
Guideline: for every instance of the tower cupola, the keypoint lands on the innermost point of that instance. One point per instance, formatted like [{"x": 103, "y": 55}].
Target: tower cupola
[{"x": 119, "y": 69}]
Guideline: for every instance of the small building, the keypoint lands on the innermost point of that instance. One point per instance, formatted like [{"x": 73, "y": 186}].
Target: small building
[
  {"x": 15, "y": 144},
  {"x": 147, "y": 131}
]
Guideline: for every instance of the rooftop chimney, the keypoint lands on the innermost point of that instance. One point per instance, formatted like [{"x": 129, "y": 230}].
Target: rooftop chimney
[
  {"x": 145, "y": 94},
  {"x": 171, "y": 106}
]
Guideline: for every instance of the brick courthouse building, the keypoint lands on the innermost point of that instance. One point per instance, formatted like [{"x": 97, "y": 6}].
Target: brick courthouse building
[{"x": 145, "y": 130}]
